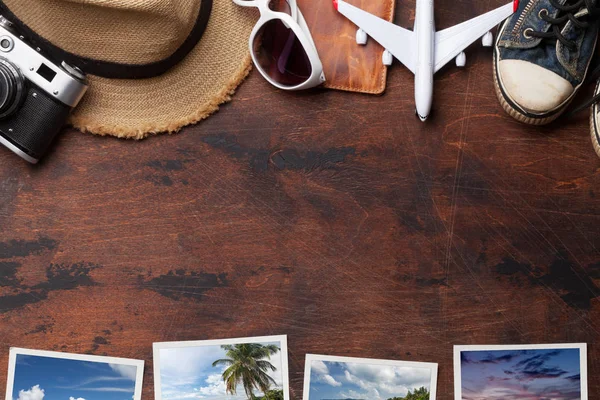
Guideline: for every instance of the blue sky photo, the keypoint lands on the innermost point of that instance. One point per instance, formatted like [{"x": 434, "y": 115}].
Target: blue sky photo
[
  {"x": 346, "y": 380},
  {"x": 186, "y": 373},
  {"x": 47, "y": 378},
  {"x": 521, "y": 374}
]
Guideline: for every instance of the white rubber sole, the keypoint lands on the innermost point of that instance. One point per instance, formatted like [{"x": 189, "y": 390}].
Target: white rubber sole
[
  {"x": 594, "y": 127},
  {"x": 518, "y": 114}
]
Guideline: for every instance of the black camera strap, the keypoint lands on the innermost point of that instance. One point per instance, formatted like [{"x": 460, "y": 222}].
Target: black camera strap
[{"x": 113, "y": 70}]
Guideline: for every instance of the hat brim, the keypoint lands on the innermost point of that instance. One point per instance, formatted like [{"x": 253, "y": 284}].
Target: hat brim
[{"x": 186, "y": 94}]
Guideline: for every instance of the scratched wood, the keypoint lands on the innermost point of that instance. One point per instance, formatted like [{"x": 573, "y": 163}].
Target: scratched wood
[{"x": 337, "y": 219}]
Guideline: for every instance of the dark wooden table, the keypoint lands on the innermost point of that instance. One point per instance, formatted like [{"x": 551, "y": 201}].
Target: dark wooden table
[{"x": 338, "y": 219}]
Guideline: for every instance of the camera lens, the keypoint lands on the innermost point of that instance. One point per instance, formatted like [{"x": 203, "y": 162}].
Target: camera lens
[{"x": 12, "y": 88}]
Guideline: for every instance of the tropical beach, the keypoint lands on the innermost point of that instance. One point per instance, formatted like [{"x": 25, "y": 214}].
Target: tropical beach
[
  {"x": 335, "y": 380},
  {"x": 237, "y": 371}
]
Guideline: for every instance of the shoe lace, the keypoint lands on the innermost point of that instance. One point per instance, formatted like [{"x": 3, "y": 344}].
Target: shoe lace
[
  {"x": 566, "y": 12},
  {"x": 592, "y": 76}
]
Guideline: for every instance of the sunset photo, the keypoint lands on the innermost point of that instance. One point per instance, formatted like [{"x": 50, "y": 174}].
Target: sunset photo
[{"x": 521, "y": 374}]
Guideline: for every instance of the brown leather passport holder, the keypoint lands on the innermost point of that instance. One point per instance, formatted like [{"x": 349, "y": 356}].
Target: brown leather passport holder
[{"x": 346, "y": 64}]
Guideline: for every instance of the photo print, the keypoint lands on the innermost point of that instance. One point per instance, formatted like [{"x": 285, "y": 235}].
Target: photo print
[
  {"x": 252, "y": 368},
  {"x": 524, "y": 372},
  {"x": 346, "y": 378},
  {"x": 48, "y": 375}
]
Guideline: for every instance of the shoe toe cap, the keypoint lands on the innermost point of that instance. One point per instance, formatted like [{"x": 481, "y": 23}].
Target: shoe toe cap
[{"x": 533, "y": 88}]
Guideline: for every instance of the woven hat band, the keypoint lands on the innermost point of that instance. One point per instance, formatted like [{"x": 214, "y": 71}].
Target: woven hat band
[{"x": 119, "y": 39}]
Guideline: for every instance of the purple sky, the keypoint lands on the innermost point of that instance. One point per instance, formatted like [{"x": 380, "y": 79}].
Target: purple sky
[{"x": 521, "y": 375}]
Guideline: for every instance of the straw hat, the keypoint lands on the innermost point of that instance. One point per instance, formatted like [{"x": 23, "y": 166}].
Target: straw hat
[{"x": 188, "y": 57}]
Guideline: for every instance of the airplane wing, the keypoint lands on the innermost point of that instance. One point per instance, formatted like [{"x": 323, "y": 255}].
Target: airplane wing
[
  {"x": 398, "y": 41},
  {"x": 452, "y": 41}
]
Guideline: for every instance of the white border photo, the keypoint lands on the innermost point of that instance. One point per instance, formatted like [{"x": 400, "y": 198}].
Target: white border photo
[
  {"x": 38, "y": 374},
  {"x": 217, "y": 369},
  {"x": 512, "y": 372},
  {"x": 333, "y": 378}
]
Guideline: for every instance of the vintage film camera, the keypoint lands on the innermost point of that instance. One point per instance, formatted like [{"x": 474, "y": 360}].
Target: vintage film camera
[{"x": 36, "y": 95}]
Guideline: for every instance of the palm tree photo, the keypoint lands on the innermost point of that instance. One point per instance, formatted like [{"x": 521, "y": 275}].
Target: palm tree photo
[{"x": 248, "y": 364}]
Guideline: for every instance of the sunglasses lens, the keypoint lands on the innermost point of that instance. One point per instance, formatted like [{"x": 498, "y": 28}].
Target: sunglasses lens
[{"x": 280, "y": 54}]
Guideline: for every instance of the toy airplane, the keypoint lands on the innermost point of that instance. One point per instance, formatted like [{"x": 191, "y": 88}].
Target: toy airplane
[{"x": 423, "y": 50}]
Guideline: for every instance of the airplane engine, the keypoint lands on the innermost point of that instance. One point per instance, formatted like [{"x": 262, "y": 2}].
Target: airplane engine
[
  {"x": 361, "y": 37},
  {"x": 387, "y": 58},
  {"x": 487, "y": 40},
  {"x": 461, "y": 59}
]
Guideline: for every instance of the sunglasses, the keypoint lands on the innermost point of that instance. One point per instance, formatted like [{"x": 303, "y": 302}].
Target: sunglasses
[{"x": 282, "y": 47}]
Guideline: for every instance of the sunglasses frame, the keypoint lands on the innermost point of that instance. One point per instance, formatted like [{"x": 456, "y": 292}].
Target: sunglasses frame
[{"x": 298, "y": 25}]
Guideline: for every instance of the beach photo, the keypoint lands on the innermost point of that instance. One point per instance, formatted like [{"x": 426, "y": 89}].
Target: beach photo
[
  {"x": 523, "y": 372},
  {"x": 346, "y": 378},
  {"x": 46, "y": 375},
  {"x": 253, "y": 368}
]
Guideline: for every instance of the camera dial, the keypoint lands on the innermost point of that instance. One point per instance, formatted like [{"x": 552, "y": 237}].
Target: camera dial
[
  {"x": 5, "y": 23},
  {"x": 73, "y": 71},
  {"x": 12, "y": 88}
]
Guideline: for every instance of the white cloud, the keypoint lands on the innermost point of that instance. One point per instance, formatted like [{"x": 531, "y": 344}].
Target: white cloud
[
  {"x": 215, "y": 387},
  {"x": 363, "y": 384},
  {"x": 126, "y": 371},
  {"x": 94, "y": 380},
  {"x": 179, "y": 395},
  {"x": 320, "y": 367},
  {"x": 330, "y": 380},
  {"x": 384, "y": 381},
  {"x": 351, "y": 394},
  {"x": 185, "y": 364},
  {"x": 371, "y": 394},
  {"x": 109, "y": 389},
  {"x": 214, "y": 378},
  {"x": 73, "y": 398},
  {"x": 35, "y": 393},
  {"x": 407, "y": 376}
]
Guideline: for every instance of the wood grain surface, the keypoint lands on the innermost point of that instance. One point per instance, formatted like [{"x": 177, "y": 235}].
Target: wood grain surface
[{"x": 338, "y": 219}]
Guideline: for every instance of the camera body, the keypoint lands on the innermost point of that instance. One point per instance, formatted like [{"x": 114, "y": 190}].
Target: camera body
[{"x": 36, "y": 95}]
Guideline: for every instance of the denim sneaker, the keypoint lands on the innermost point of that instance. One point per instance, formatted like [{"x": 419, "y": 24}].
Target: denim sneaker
[
  {"x": 595, "y": 120},
  {"x": 542, "y": 55}
]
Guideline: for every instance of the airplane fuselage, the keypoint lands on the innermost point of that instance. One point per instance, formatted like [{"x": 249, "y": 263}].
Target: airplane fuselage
[
  {"x": 423, "y": 50},
  {"x": 425, "y": 33}
]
